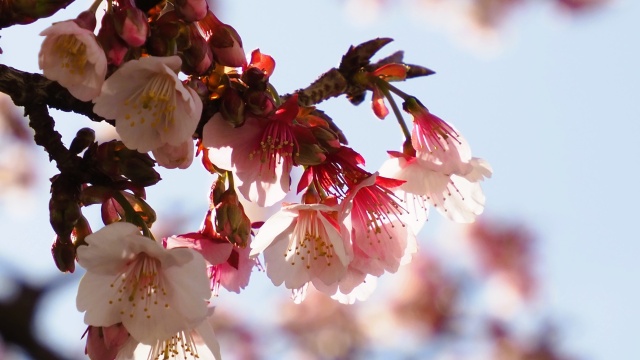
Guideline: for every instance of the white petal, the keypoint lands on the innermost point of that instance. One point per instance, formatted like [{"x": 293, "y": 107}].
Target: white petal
[
  {"x": 272, "y": 228},
  {"x": 94, "y": 294}
]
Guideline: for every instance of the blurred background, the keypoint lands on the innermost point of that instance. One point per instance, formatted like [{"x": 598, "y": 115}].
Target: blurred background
[{"x": 545, "y": 90}]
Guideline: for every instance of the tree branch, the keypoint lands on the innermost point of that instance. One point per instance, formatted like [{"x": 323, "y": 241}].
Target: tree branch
[{"x": 26, "y": 89}]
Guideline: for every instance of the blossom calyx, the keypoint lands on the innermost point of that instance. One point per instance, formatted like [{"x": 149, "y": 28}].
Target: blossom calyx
[{"x": 231, "y": 221}]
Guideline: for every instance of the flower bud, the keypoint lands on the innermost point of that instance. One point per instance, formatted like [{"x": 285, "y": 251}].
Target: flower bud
[
  {"x": 114, "y": 47},
  {"x": 232, "y": 107},
  {"x": 309, "y": 154},
  {"x": 231, "y": 221},
  {"x": 197, "y": 58},
  {"x": 131, "y": 24},
  {"x": 104, "y": 343},
  {"x": 86, "y": 20},
  {"x": 224, "y": 40},
  {"x": 255, "y": 79},
  {"x": 84, "y": 138},
  {"x": 138, "y": 170},
  {"x": 64, "y": 254},
  {"x": 258, "y": 103},
  {"x": 192, "y": 10},
  {"x": 217, "y": 190}
]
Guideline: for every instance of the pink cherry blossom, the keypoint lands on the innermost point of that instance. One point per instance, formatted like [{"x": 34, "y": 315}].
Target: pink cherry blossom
[
  {"x": 150, "y": 105},
  {"x": 71, "y": 56},
  {"x": 458, "y": 196},
  {"x": 381, "y": 240},
  {"x": 131, "y": 279},
  {"x": 303, "y": 243},
  {"x": 260, "y": 152}
]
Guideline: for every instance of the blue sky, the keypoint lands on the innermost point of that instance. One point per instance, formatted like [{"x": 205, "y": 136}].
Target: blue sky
[{"x": 555, "y": 111}]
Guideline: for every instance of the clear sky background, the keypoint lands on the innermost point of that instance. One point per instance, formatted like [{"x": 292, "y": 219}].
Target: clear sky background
[{"x": 554, "y": 107}]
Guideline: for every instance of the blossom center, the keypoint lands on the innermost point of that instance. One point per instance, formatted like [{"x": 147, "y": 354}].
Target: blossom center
[
  {"x": 377, "y": 209},
  {"x": 181, "y": 343},
  {"x": 140, "y": 286},
  {"x": 72, "y": 52},
  {"x": 155, "y": 102},
  {"x": 433, "y": 133},
  {"x": 310, "y": 241},
  {"x": 276, "y": 146}
]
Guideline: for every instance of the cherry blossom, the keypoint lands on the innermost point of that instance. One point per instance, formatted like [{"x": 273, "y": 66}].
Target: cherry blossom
[
  {"x": 71, "y": 56},
  {"x": 458, "y": 196},
  {"x": 150, "y": 104},
  {"x": 303, "y": 243},
  {"x": 260, "y": 152},
  {"x": 155, "y": 293}
]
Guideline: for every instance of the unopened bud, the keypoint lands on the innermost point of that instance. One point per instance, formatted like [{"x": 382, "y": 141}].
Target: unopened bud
[
  {"x": 197, "y": 59},
  {"x": 192, "y": 10},
  {"x": 131, "y": 25},
  {"x": 225, "y": 41},
  {"x": 258, "y": 103},
  {"x": 309, "y": 154},
  {"x": 86, "y": 20},
  {"x": 84, "y": 138},
  {"x": 114, "y": 47},
  {"x": 232, "y": 107},
  {"x": 255, "y": 79},
  {"x": 64, "y": 254},
  {"x": 138, "y": 170},
  {"x": 231, "y": 221}
]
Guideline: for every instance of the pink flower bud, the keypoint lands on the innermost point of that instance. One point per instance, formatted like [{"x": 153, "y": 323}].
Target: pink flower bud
[
  {"x": 114, "y": 47},
  {"x": 192, "y": 10},
  {"x": 196, "y": 59},
  {"x": 131, "y": 25},
  {"x": 104, "y": 343},
  {"x": 224, "y": 40}
]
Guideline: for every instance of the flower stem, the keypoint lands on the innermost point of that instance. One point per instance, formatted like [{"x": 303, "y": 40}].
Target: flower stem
[
  {"x": 95, "y": 5},
  {"x": 131, "y": 215},
  {"x": 397, "y": 113},
  {"x": 397, "y": 91}
]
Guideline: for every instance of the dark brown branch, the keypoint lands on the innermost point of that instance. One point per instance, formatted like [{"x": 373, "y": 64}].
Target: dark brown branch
[
  {"x": 15, "y": 12},
  {"x": 27, "y": 88}
]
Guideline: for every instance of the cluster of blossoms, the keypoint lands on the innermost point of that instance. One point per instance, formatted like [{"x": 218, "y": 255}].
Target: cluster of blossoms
[{"x": 175, "y": 82}]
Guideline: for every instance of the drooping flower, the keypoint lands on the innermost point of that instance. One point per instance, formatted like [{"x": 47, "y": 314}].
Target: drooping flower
[
  {"x": 430, "y": 133},
  {"x": 458, "y": 196},
  {"x": 380, "y": 239},
  {"x": 155, "y": 293},
  {"x": 150, "y": 105},
  {"x": 71, "y": 56},
  {"x": 260, "y": 152},
  {"x": 302, "y": 243}
]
